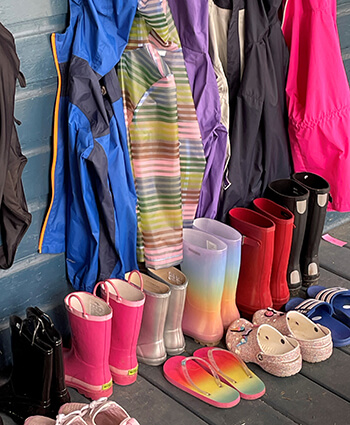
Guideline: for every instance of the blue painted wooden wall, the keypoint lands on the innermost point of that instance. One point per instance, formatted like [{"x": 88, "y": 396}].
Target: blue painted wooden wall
[
  {"x": 37, "y": 279},
  {"x": 34, "y": 279}
]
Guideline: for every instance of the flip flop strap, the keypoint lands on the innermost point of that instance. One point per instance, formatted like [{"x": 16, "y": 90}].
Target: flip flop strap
[
  {"x": 235, "y": 356},
  {"x": 189, "y": 379},
  {"x": 328, "y": 293},
  {"x": 309, "y": 304}
]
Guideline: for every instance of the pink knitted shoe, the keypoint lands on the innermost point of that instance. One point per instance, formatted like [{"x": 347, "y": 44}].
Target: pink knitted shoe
[
  {"x": 315, "y": 340},
  {"x": 75, "y": 417},
  {"x": 100, "y": 412},
  {"x": 266, "y": 346}
]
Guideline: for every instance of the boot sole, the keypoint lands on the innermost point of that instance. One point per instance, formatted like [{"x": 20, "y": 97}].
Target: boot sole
[{"x": 88, "y": 392}]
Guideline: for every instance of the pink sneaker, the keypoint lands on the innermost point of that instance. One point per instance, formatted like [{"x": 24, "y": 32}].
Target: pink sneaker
[
  {"x": 99, "y": 412},
  {"x": 315, "y": 340},
  {"x": 75, "y": 417},
  {"x": 266, "y": 346}
]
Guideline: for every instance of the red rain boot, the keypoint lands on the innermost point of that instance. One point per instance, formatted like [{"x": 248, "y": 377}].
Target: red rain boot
[
  {"x": 284, "y": 221},
  {"x": 86, "y": 363},
  {"x": 127, "y": 303},
  {"x": 253, "y": 289}
]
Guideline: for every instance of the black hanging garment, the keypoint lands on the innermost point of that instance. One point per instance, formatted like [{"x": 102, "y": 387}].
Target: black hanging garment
[
  {"x": 14, "y": 216},
  {"x": 260, "y": 151}
]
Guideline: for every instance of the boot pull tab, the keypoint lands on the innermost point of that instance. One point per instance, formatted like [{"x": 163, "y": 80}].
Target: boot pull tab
[
  {"x": 47, "y": 318},
  {"x": 105, "y": 287},
  {"x": 115, "y": 289},
  {"x": 37, "y": 326},
  {"x": 247, "y": 240},
  {"x": 80, "y": 301},
  {"x": 140, "y": 277}
]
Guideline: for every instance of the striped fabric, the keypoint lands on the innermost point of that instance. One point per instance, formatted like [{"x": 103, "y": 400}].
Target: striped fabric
[
  {"x": 164, "y": 139},
  {"x": 327, "y": 294},
  {"x": 309, "y": 305}
]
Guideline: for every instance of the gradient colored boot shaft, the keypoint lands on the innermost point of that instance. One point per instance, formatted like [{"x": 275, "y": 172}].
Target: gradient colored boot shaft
[
  {"x": 295, "y": 197},
  {"x": 284, "y": 221},
  {"x": 87, "y": 362},
  {"x": 317, "y": 208},
  {"x": 258, "y": 232},
  {"x": 127, "y": 303},
  {"x": 49, "y": 334},
  {"x": 233, "y": 239},
  {"x": 28, "y": 390},
  {"x": 173, "y": 336},
  {"x": 204, "y": 264},
  {"x": 150, "y": 347}
]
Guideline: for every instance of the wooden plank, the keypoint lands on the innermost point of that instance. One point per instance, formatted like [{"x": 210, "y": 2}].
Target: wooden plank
[
  {"x": 144, "y": 402},
  {"x": 303, "y": 400},
  {"x": 343, "y": 26},
  {"x": 37, "y": 280},
  {"x": 35, "y": 112},
  {"x": 36, "y": 173},
  {"x": 148, "y": 404},
  {"x": 332, "y": 374},
  {"x": 36, "y": 58},
  {"x": 329, "y": 279},
  {"x": 342, "y": 233},
  {"x": 335, "y": 259},
  {"x": 42, "y": 25},
  {"x": 22, "y": 10},
  {"x": 254, "y": 412}
]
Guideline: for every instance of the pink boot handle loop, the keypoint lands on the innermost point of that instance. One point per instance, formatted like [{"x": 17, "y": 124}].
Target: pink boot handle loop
[
  {"x": 70, "y": 296},
  {"x": 140, "y": 277},
  {"x": 115, "y": 288},
  {"x": 103, "y": 283}
]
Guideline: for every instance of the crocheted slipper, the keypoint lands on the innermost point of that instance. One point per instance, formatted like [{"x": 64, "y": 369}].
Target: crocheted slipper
[
  {"x": 266, "y": 346},
  {"x": 337, "y": 297},
  {"x": 315, "y": 340},
  {"x": 198, "y": 378},
  {"x": 321, "y": 312},
  {"x": 232, "y": 370}
]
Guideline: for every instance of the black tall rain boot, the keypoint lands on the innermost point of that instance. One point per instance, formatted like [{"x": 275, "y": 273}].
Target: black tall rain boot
[
  {"x": 316, "y": 215},
  {"x": 27, "y": 392},
  {"x": 48, "y": 333},
  {"x": 293, "y": 196}
]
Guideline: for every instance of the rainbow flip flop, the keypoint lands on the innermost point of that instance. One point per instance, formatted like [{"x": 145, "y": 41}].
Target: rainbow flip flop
[
  {"x": 197, "y": 377},
  {"x": 232, "y": 370}
]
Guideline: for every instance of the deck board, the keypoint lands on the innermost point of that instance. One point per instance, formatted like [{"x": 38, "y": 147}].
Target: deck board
[
  {"x": 255, "y": 412},
  {"x": 319, "y": 394}
]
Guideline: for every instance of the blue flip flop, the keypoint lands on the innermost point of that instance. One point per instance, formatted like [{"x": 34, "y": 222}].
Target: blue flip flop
[
  {"x": 337, "y": 297},
  {"x": 322, "y": 313}
]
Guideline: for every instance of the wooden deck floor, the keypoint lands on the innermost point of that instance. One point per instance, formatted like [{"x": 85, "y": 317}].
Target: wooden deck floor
[{"x": 319, "y": 394}]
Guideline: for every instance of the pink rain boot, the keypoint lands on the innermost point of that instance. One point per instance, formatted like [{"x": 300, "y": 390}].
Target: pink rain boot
[
  {"x": 127, "y": 303},
  {"x": 86, "y": 363}
]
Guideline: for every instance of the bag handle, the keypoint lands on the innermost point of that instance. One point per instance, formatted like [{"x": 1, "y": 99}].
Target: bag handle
[{"x": 140, "y": 277}]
